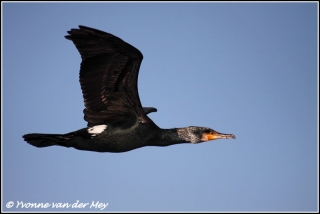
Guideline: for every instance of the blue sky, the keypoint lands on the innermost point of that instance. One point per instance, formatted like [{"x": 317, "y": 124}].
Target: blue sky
[{"x": 249, "y": 69}]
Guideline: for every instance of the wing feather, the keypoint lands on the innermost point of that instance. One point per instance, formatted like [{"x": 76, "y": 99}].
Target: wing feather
[{"x": 108, "y": 77}]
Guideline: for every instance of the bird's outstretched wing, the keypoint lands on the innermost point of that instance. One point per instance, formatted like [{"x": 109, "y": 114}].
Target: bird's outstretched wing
[{"x": 108, "y": 77}]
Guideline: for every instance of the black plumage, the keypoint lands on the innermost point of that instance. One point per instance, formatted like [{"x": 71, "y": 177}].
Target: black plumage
[{"x": 116, "y": 120}]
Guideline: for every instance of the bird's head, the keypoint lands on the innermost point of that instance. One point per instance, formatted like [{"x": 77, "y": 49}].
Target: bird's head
[{"x": 195, "y": 134}]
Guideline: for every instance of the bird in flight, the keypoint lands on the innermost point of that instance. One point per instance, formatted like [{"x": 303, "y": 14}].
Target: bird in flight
[{"x": 116, "y": 120}]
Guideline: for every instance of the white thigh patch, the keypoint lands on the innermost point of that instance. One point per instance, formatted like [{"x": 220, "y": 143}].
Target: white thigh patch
[{"x": 96, "y": 129}]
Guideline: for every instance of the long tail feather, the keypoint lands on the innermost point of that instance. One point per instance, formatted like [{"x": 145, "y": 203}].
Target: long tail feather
[{"x": 44, "y": 140}]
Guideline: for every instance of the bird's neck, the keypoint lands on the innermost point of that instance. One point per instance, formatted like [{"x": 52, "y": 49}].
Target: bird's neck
[{"x": 173, "y": 136}]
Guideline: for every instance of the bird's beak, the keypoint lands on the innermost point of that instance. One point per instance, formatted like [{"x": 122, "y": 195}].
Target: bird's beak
[{"x": 215, "y": 136}]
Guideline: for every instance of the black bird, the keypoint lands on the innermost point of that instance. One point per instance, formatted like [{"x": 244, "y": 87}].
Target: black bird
[{"x": 117, "y": 122}]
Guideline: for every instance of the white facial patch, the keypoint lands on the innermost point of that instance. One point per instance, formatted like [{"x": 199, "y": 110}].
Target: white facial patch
[
  {"x": 188, "y": 134},
  {"x": 96, "y": 129}
]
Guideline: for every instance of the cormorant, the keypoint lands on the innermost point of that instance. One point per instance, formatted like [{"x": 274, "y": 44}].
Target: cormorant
[{"x": 117, "y": 122}]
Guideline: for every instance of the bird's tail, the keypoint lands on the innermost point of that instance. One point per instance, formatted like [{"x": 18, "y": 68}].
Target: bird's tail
[{"x": 44, "y": 140}]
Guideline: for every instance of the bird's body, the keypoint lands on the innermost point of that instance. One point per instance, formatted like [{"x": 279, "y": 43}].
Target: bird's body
[{"x": 117, "y": 122}]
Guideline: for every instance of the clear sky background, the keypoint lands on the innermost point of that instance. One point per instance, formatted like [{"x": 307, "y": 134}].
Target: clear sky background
[{"x": 249, "y": 69}]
